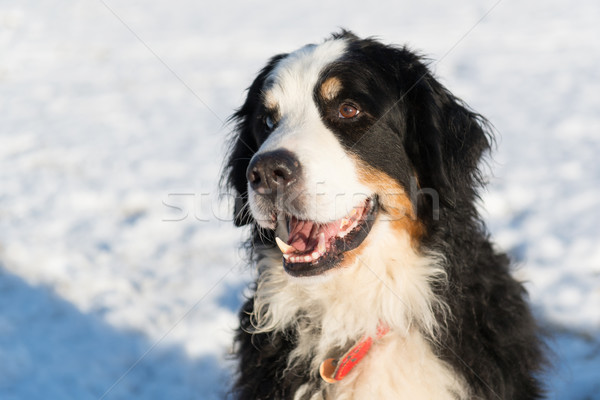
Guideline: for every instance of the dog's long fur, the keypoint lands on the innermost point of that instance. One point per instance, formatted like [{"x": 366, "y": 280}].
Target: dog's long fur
[{"x": 460, "y": 327}]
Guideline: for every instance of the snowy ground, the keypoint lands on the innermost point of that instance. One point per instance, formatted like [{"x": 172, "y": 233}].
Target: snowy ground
[{"x": 119, "y": 270}]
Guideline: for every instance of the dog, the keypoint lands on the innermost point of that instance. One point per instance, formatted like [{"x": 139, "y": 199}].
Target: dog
[{"x": 358, "y": 175}]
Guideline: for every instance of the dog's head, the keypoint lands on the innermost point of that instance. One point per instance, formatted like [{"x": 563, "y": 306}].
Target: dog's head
[{"x": 337, "y": 137}]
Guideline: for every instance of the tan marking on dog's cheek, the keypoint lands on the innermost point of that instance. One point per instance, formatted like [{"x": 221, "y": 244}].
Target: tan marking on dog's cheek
[
  {"x": 330, "y": 88},
  {"x": 394, "y": 202}
]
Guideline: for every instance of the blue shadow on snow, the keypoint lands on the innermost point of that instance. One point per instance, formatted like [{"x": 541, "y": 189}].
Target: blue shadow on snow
[{"x": 51, "y": 350}]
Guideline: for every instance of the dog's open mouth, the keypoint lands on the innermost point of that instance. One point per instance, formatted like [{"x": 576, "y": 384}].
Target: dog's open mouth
[{"x": 314, "y": 248}]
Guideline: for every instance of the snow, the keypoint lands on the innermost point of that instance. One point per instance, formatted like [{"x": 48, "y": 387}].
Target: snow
[{"x": 120, "y": 270}]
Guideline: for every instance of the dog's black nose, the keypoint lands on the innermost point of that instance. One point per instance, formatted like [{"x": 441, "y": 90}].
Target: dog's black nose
[{"x": 273, "y": 171}]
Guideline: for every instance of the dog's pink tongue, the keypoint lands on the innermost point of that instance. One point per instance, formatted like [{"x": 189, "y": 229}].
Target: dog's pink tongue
[
  {"x": 300, "y": 234},
  {"x": 304, "y": 235}
]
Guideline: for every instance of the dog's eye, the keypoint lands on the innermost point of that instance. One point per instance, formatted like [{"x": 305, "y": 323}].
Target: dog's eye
[
  {"x": 348, "y": 111},
  {"x": 269, "y": 123}
]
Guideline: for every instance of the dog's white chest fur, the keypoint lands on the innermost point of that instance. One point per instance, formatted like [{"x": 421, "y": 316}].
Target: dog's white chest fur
[{"x": 388, "y": 283}]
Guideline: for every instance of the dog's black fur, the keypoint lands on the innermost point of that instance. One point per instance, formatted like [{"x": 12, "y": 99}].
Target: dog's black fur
[{"x": 491, "y": 338}]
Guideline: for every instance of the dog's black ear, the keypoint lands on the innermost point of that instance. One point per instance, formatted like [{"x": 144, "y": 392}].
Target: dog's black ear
[
  {"x": 244, "y": 144},
  {"x": 445, "y": 140}
]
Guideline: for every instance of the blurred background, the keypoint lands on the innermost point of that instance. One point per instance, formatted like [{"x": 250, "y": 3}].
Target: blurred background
[{"x": 120, "y": 271}]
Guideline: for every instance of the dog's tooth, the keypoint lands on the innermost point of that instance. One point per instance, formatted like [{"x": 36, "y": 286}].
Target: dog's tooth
[
  {"x": 321, "y": 247},
  {"x": 286, "y": 256},
  {"x": 344, "y": 222},
  {"x": 315, "y": 255},
  {"x": 307, "y": 258},
  {"x": 284, "y": 247}
]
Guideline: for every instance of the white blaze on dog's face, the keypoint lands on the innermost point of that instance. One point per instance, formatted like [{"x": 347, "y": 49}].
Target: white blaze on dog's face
[
  {"x": 323, "y": 168},
  {"x": 331, "y": 187}
]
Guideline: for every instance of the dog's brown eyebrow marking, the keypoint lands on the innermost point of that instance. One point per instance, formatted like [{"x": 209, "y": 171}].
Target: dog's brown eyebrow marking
[
  {"x": 330, "y": 88},
  {"x": 269, "y": 100}
]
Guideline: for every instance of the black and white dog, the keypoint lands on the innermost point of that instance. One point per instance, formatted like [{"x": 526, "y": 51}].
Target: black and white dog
[{"x": 376, "y": 279}]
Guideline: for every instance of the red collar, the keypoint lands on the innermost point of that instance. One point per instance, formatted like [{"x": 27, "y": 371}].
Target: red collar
[{"x": 334, "y": 370}]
